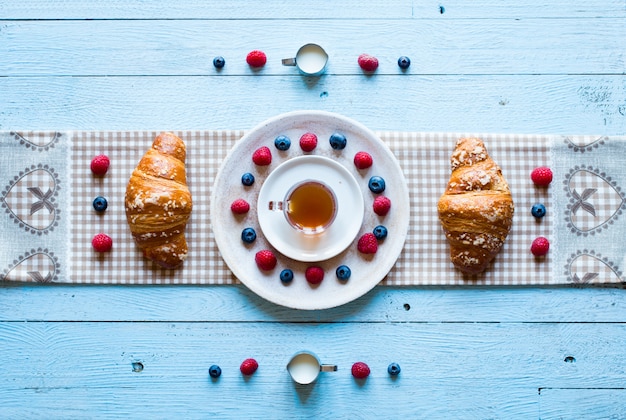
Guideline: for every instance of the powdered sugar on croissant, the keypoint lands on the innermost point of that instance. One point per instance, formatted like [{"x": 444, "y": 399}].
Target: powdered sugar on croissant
[
  {"x": 476, "y": 210},
  {"x": 158, "y": 202}
]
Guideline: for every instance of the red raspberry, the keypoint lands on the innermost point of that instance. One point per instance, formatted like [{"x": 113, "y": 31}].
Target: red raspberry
[
  {"x": 368, "y": 244},
  {"x": 256, "y": 58},
  {"x": 262, "y": 156},
  {"x": 541, "y": 176},
  {"x": 363, "y": 160},
  {"x": 382, "y": 205},
  {"x": 308, "y": 142},
  {"x": 100, "y": 165},
  {"x": 248, "y": 367},
  {"x": 360, "y": 370},
  {"x": 368, "y": 62},
  {"x": 102, "y": 243},
  {"x": 314, "y": 275},
  {"x": 240, "y": 206},
  {"x": 265, "y": 260},
  {"x": 540, "y": 246}
]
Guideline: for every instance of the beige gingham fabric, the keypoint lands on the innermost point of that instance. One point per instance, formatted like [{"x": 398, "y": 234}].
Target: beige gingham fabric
[{"x": 424, "y": 159}]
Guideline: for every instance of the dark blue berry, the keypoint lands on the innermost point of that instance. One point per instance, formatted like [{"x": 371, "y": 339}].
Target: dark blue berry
[
  {"x": 380, "y": 232},
  {"x": 248, "y": 235},
  {"x": 282, "y": 142},
  {"x": 247, "y": 179},
  {"x": 286, "y": 275},
  {"x": 100, "y": 204},
  {"x": 219, "y": 62},
  {"x": 338, "y": 141},
  {"x": 404, "y": 62},
  {"x": 393, "y": 369},
  {"x": 343, "y": 272},
  {"x": 376, "y": 184},
  {"x": 538, "y": 210},
  {"x": 215, "y": 371}
]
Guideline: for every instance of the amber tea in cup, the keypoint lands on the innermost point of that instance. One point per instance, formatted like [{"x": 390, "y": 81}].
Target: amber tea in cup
[{"x": 309, "y": 206}]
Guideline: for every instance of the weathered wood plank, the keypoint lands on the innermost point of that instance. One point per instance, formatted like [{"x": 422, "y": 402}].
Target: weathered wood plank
[
  {"x": 285, "y": 9},
  {"x": 238, "y": 304},
  {"x": 513, "y": 104},
  {"x": 448, "y": 370},
  {"x": 581, "y": 403},
  {"x": 182, "y": 47}
]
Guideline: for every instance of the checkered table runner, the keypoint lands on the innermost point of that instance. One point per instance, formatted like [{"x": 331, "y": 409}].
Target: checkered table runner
[{"x": 47, "y": 220}]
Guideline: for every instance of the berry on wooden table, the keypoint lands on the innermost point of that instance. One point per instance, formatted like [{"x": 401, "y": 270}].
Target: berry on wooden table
[
  {"x": 219, "y": 62},
  {"x": 368, "y": 62},
  {"x": 541, "y": 176},
  {"x": 262, "y": 156},
  {"x": 265, "y": 260},
  {"x": 102, "y": 242},
  {"x": 248, "y": 366},
  {"x": 100, "y": 165},
  {"x": 393, "y": 369},
  {"x": 404, "y": 62},
  {"x": 256, "y": 58},
  {"x": 360, "y": 370},
  {"x": 363, "y": 160},
  {"x": 540, "y": 246},
  {"x": 215, "y": 371}
]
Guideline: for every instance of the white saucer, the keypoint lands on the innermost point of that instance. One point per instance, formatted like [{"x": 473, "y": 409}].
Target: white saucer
[{"x": 287, "y": 240}]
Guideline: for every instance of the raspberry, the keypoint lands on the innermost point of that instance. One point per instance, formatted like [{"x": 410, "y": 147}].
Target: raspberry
[
  {"x": 368, "y": 244},
  {"x": 248, "y": 367},
  {"x": 265, "y": 260},
  {"x": 308, "y": 142},
  {"x": 314, "y": 275},
  {"x": 381, "y": 205},
  {"x": 541, "y": 176},
  {"x": 262, "y": 156},
  {"x": 240, "y": 206},
  {"x": 360, "y": 370},
  {"x": 102, "y": 243},
  {"x": 362, "y": 160},
  {"x": 540, "y": 246},
  {"x": 100, "y": 165},
  {"x": 256, "y": 58},
  {"x": 368, "y": 62}
]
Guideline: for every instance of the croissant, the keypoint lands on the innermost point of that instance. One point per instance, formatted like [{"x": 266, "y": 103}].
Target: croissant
[
  {"x": 476, "y": 210},
  {"x": 158, "y": 202}
]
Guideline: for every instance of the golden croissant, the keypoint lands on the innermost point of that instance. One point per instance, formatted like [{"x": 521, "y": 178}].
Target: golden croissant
[
  {"x": 158, "y": 202},
  {"x": 476, "y": 210}
]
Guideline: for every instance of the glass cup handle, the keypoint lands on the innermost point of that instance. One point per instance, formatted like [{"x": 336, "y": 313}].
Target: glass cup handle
[
  {"x": 328, "y": 368},
  {"x": 289, "y": 61}
]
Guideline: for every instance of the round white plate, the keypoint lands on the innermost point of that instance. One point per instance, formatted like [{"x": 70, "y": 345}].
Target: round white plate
[
  {"x": 294, "y": 244},
  {"x": 367, "y": 270}
]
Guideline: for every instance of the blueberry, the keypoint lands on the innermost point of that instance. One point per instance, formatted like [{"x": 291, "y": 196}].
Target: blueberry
[
  {"x": 100, "y": 204},
  {"x": 343, "y": 272},
  {"x": 219, "y": 62},
  {"x": 393, "y": 369},
  {"x": 286, "y": 275},
  {"x": 404, "y": 62},
  {"x": 538, "y": 210},
  {"x": 380, "y": 232},
  {"x": 282, "y": 142},
  {"x": 248, "y": 235},
  {"x": 215, "y": 371},
  {"x": 376, "y": 184},
  {"x": 247, "y": 179},
  {"x": 338, "y": 141}
]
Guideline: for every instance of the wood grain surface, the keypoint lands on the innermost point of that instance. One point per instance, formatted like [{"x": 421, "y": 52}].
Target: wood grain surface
[{"x": 77, "y": 352}]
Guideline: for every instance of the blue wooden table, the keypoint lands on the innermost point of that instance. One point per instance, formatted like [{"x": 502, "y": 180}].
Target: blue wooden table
[{"x": 465, "y": 352}]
